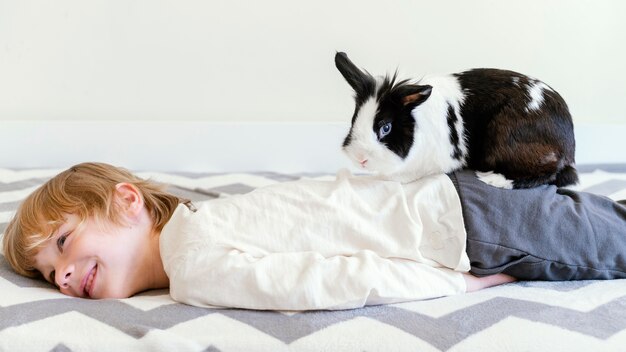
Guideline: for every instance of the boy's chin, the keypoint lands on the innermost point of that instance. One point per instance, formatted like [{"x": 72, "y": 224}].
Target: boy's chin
[{"x": 113, "y": 295}]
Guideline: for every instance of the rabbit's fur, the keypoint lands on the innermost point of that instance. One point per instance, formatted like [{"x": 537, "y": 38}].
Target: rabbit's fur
[{"x": 497, "y": 122}]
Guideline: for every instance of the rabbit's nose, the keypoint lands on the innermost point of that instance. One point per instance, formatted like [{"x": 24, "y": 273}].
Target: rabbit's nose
[{"x": 363, "y": 162}]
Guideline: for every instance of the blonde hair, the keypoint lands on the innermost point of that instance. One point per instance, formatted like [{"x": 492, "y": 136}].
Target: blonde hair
[{"x": 86, "y": 189}]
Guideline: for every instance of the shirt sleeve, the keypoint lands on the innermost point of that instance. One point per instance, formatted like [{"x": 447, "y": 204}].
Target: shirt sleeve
[{"x": 307, "y": 280}]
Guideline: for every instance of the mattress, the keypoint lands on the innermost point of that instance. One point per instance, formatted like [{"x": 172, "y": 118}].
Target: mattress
[{"x": 522, "y": 316}]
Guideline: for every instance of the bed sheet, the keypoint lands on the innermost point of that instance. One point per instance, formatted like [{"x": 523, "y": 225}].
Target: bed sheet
[{"x": 523, "y": 316}]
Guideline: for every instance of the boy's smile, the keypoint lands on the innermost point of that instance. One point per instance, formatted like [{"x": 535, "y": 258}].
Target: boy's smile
[{"x": 88, "y": 282}]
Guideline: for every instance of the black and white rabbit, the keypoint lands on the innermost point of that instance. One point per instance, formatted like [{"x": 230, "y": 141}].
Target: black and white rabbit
[{"x": 514, "y": 130}]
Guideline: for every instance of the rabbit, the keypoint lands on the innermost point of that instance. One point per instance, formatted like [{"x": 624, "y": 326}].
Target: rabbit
[{"x": 513, "y": 130}]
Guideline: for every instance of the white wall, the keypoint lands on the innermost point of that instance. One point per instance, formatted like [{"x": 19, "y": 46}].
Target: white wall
[{"x": 272, "y": 60}]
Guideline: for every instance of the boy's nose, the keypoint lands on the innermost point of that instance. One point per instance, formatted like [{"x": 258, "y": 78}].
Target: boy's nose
[{"x": 63, "y": 276}]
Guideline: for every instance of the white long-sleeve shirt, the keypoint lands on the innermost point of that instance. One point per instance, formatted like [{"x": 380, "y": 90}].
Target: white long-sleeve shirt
[{"x": 312, "y": 244}]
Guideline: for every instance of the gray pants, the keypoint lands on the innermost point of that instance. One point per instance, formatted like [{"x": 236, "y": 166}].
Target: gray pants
[{"x": 543, "y": 233}]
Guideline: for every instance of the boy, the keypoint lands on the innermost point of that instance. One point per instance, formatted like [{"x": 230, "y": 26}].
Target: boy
[{"x": 97, "y": 231}]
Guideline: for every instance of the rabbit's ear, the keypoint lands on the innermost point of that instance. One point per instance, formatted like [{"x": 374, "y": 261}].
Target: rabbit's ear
[
  {"x": 413, "y": 94},
  {"x": 360, "y": 81}
]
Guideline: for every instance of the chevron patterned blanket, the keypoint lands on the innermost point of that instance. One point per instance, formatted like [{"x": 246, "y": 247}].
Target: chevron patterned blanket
[{"x": 523, "y": 316}]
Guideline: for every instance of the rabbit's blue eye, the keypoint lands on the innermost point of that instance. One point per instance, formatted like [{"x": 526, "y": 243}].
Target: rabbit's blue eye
[{"x": 384, "y": 130}]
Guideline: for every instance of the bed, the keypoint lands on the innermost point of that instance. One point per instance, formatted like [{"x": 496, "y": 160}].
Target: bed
[{"x": 523, "y": 316}]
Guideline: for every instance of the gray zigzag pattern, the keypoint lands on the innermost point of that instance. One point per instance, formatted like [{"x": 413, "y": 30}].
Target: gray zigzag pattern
[
  {"x": 563, "y": 286},
  {"x": 607, "y": 187},
  {"x": 9, "y": 206},
  {"x": 60, "y": 348},
  {"x": 8, "y": 274},
  {"x": 602, "y": 322},
  {"x": 15, "y": 185}
]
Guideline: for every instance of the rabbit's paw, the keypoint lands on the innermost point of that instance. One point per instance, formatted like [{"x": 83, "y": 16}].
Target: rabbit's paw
[{"x": 493, "y": 179}]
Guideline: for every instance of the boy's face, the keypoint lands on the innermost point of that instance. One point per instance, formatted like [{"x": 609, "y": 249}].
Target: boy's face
[{"x": 92, "y": 260}]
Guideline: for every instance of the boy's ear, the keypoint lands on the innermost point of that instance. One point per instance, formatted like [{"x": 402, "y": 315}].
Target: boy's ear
[{"x": 129, "y": 198}]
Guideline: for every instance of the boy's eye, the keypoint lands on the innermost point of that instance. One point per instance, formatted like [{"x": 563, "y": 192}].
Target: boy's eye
[{"x": 61, "y": 241}]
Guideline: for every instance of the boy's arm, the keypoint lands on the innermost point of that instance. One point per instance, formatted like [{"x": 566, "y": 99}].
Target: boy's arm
[
  {"x": 475, "y": 283},
  {"x": 307, "y": 280}
]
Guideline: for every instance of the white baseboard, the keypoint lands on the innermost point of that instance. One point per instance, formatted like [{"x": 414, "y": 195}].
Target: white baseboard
[
  {"x": 221, "y": 147},
  {"x": 175, "y": 146}
]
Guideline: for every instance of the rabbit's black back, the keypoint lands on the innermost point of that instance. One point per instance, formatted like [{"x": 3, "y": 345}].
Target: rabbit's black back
[
  {"x": 517, "y": 126},
  {"x": 483, "y": 119}
]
